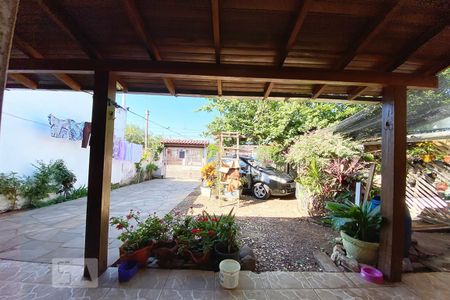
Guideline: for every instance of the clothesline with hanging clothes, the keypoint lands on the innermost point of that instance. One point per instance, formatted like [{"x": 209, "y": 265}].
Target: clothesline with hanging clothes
[{"x": 81, "y": 131}]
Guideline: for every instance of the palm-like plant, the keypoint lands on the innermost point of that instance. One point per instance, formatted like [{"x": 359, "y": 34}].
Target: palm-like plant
[{"x": 359, "y": 221}]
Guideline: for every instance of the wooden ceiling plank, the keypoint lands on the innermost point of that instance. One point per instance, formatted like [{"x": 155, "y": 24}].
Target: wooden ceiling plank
[
  {"x": 203, "y": 71},
  {"x": 369, "y": 33},
  {"x": 366, "y": 37},
  {"x": 442, "y": 63},
  {"x": 30, "y": 51},
  {"x": 292, "y": 39},
  {"x": 136, "y": 20},
  {"x": 69, "y": 25},
  {"x": 24, "y": 80},
  {"x": 417, "y": 43}
]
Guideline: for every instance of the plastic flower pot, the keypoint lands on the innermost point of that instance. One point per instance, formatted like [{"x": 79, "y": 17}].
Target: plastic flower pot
[
  {"x": 363, "y": 252},
  {"x": 165, "y": 252},
  {"x": 202, "y": 258},
  {"x": 127, "y": 270},
  {"x": 140, "y": 256},
  {"x": 220, "y": 254},
  {"x": 205, "y": 191}
]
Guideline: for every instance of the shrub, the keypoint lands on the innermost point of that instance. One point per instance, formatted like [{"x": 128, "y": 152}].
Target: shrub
[
  {"x": 62, "y": 177},
  {"x": 10, "y": 187}
]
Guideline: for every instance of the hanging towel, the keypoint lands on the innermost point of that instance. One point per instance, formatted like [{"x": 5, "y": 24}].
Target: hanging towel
[{"x": 65, "y": 129}]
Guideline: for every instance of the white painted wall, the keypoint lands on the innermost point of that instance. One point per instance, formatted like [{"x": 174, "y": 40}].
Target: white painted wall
[{"x": 25, "y": 133}]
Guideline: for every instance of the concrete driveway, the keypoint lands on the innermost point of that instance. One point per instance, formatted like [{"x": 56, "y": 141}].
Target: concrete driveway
[{"x": 57, "y": 231}]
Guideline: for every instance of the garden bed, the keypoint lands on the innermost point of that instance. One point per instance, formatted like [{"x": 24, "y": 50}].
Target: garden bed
[{"x": 280, "y": 243}]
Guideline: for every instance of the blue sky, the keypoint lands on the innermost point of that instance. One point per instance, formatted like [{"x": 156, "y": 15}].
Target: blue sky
[
  {"x": 178, "y": 114},
  {"x": 170, "y": 117}
]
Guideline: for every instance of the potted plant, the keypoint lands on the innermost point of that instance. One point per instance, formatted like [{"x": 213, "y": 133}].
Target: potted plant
[
  {"x": 226, "y": 245},
  {"x": 426, "y": 151},
  {"x": 209, "y": 177},
  {"x": 360, "y": 228},
  {"x": 166, "y": 246},
  {"x": 137, "y": 238},
  {"x": 197, "y": 238}
]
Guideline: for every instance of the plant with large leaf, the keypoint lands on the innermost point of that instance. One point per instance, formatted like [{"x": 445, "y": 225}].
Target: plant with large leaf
[{"x": 359, "y": 221}]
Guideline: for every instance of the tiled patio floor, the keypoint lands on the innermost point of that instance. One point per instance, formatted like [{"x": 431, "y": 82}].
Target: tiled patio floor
[
  {"x": 22, "y": 280},
  {"x": 38, "y": 235}
]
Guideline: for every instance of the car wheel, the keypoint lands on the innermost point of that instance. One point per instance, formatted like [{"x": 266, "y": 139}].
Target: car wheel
[{"x": 261, "y": 191}]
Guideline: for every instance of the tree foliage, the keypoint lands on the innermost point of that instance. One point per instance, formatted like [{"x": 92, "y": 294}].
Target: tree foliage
[
  {"x": 274, "y": 122},
  {"x": 135, "y": 134}
]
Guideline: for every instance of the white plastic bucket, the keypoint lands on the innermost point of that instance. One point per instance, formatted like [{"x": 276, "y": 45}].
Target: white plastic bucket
[{"x": 229, "y": 273}]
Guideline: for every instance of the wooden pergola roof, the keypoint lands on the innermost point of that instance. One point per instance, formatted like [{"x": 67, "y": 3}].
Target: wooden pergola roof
[{"x": 345, "y": 50}]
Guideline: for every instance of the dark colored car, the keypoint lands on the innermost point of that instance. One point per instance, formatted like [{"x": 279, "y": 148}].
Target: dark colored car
[{"x": 264, "y": 181}]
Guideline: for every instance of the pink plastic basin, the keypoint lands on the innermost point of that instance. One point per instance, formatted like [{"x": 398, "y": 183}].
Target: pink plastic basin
[{"x": 371, "y": 274}]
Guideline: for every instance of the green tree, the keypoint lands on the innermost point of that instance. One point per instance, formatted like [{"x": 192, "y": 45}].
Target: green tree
[
  {"x": 134, "y": 134},
  {"x": 274, "y": 122}
]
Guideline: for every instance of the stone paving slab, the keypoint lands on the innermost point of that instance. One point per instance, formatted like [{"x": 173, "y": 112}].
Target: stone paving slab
[
  {"x": 56, "y": 231},
  {"x": 24, "y": 280}
]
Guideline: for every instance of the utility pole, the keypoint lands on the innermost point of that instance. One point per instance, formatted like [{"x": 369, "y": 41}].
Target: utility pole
[{"x": 146, "y": 129}]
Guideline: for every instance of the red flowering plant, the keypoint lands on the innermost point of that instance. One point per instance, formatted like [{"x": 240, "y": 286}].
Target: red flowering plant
[
  {"x": 137, "y": 233},
  {"x": 199, "y": 233}
]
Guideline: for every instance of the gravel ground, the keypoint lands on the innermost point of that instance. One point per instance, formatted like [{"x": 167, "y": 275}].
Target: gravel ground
[{"x": 279, "y": 243}]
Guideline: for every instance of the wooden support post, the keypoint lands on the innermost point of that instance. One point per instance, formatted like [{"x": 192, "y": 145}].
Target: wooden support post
[
  {"x": 8, "y": 16},
  {"x": 393, "y": 184},
  {"x": 100, "y": 160}
]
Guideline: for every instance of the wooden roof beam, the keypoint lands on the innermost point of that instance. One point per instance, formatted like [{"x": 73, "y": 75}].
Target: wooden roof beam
[
  {"x": 236, "y": 72},
  {"x": 215, "y": 19},
  {"x": 69, "y": 25},
  {"x": 30, "y": 51},
  {"x": 367, "y": 36},
  {"x": 292, "y": 39},
  {"x": 136, "y": 20},
  {"x": 24, "y": 80}
]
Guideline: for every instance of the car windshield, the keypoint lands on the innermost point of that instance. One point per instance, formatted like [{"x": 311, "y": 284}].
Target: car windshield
[{"x": 257, "y": 164}]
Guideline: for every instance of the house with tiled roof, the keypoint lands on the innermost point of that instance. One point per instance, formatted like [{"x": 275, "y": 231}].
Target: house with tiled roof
[{"x": 183, "y": 158}]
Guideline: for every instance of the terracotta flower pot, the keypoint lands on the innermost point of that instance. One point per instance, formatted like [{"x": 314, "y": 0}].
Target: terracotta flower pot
[{"x": 140, "y": 256}]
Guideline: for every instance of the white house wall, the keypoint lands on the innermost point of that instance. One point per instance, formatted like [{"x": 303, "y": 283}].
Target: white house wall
[{"x": 25, "y": 133}]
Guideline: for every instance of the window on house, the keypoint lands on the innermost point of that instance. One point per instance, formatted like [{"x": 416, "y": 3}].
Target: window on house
[{"x": 182, "y": 154}]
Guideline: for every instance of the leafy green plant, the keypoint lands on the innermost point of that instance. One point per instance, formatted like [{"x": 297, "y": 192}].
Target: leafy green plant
[
  {"x": 149, "y": 169},
  {"x": 10, "y": 187},
  {"x": 77, "y": 193},
  {"x": 358, "y": 221},
  {"x": 425, "y": 148},
  {"x": 227, "y": 231},
  {"x": 62, "y": 177}
]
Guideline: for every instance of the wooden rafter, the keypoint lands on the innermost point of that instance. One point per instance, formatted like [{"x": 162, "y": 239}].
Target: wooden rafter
[
  {"x": 441, "y": 64},
  {"x": 202, "y": 71},
  {"x": 417, "y": 43},
  {"x": 136, "y": 20},
  {"x": 292, "y": 38},
  {"x": 30, "y": 51},
  {"x": 367, "y": 36},
  {"x": 68, "y": 24},
  {"x": 317, "y": 90},
  {"x": 355, "y": 92},
  {"x": 215, "y": 19},
  {"x": 24, "y": 80}
]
